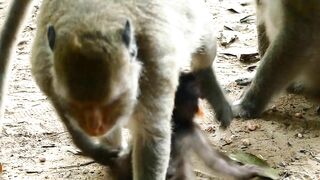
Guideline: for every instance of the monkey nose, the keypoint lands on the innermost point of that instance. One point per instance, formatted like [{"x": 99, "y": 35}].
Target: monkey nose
[{"x": 94, "y": 122}]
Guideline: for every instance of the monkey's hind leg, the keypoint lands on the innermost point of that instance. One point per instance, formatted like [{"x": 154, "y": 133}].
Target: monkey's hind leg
[
  {"x": 217, "y": 161},
  {"x": 263, "y": 41},
  {"x": 8, "y": 36},
  {"x": 202, "y": 66}
]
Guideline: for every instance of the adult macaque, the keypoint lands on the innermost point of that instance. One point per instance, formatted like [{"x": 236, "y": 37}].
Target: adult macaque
[
  {"x": 103, "y": 62},
  {"x": 288, "y": 43}
]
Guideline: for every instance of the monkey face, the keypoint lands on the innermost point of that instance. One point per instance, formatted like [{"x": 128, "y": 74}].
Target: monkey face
[
  {"x": 95, "y": 74},
  {"x": 97, "y": 119}
]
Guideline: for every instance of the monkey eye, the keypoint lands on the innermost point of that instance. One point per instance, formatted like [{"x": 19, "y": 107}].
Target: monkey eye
[
  {"x": 51, "y": 34},
  {"x": 126, "y": 34}
]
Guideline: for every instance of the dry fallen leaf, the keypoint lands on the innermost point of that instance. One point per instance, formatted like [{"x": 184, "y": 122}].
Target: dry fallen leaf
[
  {"x": 247, "y": 19},
  {"x": 243, "y": 81},
  {"x": 233, "y": 10},
  {"x": 42, "y": 160},
  {"x": 251, "y": 68},
  {"x": 227, "y": 41},
  {"x": 249, "y": 58}
]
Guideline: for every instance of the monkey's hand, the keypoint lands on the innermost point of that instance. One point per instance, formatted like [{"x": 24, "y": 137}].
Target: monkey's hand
[
  {"x": 101, "y": 153},
  {"x": 224, "y": 115}
]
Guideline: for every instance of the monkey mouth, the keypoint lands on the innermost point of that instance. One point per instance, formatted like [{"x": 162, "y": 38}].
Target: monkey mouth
[
  {"x": 96, "y": 128},
  {"x": 94, "y": 118},
  {"x": 98, "y": 120}
]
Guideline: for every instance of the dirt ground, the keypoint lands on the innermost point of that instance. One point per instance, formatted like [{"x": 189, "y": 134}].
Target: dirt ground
[{"x": 35, "y": 145}]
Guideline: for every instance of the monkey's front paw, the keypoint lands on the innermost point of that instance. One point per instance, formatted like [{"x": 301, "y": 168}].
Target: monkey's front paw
[
  {"x": 225, "y": 116},
  {"x": 243, "y": 110}
]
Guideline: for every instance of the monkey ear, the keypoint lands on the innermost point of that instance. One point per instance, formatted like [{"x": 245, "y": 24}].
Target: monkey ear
[
  {"x": 51, "y": 34},
  {"x": 127, "y": 34}
]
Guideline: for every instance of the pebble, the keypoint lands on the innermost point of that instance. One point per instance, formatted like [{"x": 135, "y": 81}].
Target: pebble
[
  {"x": 42, "y": 159},
  {"x": 274, "y": 108},
  {"x": 210, "y": 129},
  {"x": 243, "y": 81},
  {"x": 85, "y": 171},
  {"x": 252, "y": 126},
  {"x": 298, "y": 115},
  {"x": 299, "y": 135},
  {"x": 227, "y": 141},
  {"x": 317, "y": 158},
  {"x": 246, "y": 142},
  {"x": 282, "y": 164},
  {"x": 230, "y": 139}
]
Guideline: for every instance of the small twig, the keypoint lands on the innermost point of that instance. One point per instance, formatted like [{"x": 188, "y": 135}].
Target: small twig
[
  {"x": 49, "y": 146},
  {"x": 246, "y": 18},
  {"x": 77, "y": 153},
  {"x": 75, "y": 166},
  {"x": 33, "y": 172}
]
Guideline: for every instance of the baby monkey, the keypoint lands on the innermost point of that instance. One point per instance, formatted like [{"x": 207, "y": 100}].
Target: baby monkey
[{"x": 186, "y": 138}]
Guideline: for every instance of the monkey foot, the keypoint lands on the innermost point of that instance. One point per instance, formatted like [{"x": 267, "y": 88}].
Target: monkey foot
[
  {"x": 224, "y": 116},
  {"x": 245, "y": 110}
]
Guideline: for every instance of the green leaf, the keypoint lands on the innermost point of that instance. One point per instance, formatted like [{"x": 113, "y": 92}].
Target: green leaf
[{"x": 250, "y": 159}]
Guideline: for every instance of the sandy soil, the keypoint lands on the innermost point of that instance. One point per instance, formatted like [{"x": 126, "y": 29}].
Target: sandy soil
[{"x": 35, "y": 145}]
